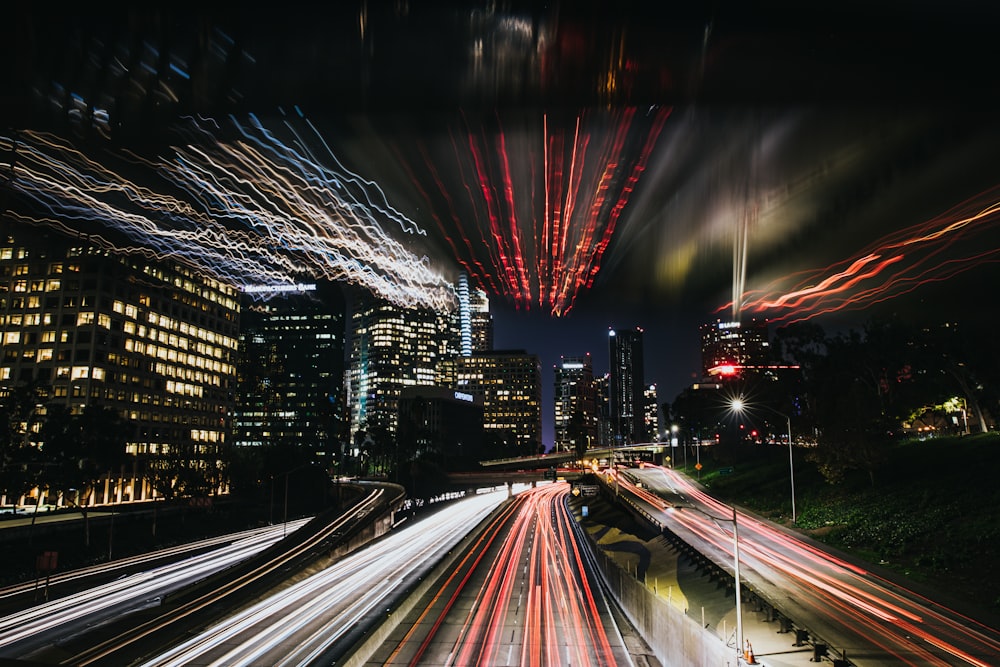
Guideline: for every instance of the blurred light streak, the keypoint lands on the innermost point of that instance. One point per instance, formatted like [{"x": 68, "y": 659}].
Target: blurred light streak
[
  {"x": 888, "y": 614},
  {"x": 560, "y": 610},
  {"x": 932, "y": 251},
  {"x": 130, "y": 591},
  {"x": 297, "y": 624},
  {"x": 257, "y": 210},
  {"x": 535, "y": 210}
]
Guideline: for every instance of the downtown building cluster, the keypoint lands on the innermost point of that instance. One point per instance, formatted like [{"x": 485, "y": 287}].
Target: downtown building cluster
[{"x": 194, "y": 369}]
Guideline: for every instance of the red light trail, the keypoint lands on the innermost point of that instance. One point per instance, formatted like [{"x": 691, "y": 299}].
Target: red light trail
[
  {"x": 541, "y": 203},
  {"x": 932, "y": 251}
]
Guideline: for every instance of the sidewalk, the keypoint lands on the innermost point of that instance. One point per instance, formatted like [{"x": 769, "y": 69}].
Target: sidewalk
[{"x": 676, "y": 580}]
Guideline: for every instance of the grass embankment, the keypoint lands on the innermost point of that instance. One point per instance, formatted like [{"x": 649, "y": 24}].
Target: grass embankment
[{"x": 933, "y": 513}]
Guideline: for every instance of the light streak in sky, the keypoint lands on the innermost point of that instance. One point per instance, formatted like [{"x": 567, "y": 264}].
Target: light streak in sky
[
  {"x": 251, "y": 211},
  {"x": 537, "y": 207},
  {"x": 932, "y": 251}
]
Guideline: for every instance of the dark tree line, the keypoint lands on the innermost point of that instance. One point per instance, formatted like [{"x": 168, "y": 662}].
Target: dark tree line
[
  {"x": 46, "y": 446},
  {"x": 856, "y": 389}
]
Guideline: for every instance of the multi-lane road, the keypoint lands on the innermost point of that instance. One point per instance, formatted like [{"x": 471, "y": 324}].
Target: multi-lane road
[
  {"x": 40, "y": 625},
  {"x": 856, "y": 612},
  {"x": 524, "y": 593},
  {"x": 517, "y": 587}
]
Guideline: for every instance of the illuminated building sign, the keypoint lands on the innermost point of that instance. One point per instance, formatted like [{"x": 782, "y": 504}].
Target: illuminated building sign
[
  {"x": 299, "y": 287},
  {"x": 462, "y": 396}
]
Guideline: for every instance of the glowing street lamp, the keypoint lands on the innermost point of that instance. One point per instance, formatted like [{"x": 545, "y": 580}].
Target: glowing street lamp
[{"x": 740, "y": 406}]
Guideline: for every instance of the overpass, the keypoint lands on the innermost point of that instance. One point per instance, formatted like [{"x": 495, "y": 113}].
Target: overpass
[{"x": 562, "y": 465}]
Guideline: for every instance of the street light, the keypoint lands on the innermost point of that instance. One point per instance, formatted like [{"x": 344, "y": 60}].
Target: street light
[
  {"x": 674, "y": 428},
  {"x": 736, "y": 574},
  {"x": 738, "y": 405}
]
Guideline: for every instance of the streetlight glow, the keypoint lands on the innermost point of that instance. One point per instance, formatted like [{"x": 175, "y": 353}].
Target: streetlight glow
[{"x": 739, "y": 405}]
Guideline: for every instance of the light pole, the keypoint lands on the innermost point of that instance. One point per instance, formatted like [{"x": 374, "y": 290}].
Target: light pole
[
  {"x": 736, "y": 575},
  {"x": 739, "y": 405},
  {"x": 673, "y": 444}
]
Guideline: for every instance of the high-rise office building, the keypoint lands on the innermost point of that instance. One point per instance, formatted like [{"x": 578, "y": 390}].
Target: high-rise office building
[
  {"x": 510, "y": 384},
  {"x": 441, "y": 425},
  {"x": 729, "y": 347},
  {"x": 625, "y": 362},
  {"x": 390, "y": 348},
  {"x": 651, "y": 413},
  {"x": 154, "y": 341},
  {"x": 602, "y": 396},
  {"x": 481, "y": 321},
  {"x": 475, "y": 323},
  {"x": 575, "y": 404},
  {"x": 291, "y": 371}
]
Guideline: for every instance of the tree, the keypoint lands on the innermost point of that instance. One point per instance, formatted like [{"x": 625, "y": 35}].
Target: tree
[
  {"x": 576, "y": 431},
  {"x": 19, "y": 456},
  {"x": 79, "y": 450}
]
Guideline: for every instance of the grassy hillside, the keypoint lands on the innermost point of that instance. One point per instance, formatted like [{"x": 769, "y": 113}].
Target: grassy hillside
[{"x": 933, "y": 513}]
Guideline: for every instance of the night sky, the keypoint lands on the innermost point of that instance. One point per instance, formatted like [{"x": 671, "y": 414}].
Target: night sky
[{"x": 591, "y": 168}]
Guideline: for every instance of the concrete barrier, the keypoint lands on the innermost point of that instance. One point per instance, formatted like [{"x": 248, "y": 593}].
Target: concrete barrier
[{"x": 674, "y": 637}]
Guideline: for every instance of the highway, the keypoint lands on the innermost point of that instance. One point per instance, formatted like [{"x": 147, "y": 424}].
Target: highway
[
  {"x": 49, "y": 622},
  {"x": 316, "y": 618},
  {"x": 860, "y": 615},
  {"x": 522, "y": 594}
]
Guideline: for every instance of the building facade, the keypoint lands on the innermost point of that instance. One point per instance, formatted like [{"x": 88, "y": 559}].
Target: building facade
[
  {"x": 510, "y": 384},
  {"x": 625, "y": 360},
  {"x": 390, "y": 348},
  {"x": 651, "y": 413},
  {"x": 153, "y": 341},
  {"x": 441, "y": 425},
  {"x": 575, "y": 404},
  {"x": 291, "y": 369},
  {"x": 727, "y": 347}
]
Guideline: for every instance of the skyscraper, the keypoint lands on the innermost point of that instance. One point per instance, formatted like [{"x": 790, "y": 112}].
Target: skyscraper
[
  {"x": 575, "y": 405},
  {"x": 390, "y": 348},
  {"x": 726, "y": 347},
  {"x": 291, "y": 371},
  {"x": 651, "y": 413},
  {"x": 626, "y": 387},
  {"x": 602, "y": 397},
  {"x": 475, "y": 323},
  {"x": 510, "y": 384}
]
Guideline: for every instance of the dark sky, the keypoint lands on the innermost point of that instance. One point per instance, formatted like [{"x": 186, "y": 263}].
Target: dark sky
[{"x": 817, "y": 129}]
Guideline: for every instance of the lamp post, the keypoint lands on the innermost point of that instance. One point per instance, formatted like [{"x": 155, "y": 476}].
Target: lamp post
[
  {"x": 740, "y": 644},
  {"x": 739, "y": 405},
  {"x": 673, "y": 444}
]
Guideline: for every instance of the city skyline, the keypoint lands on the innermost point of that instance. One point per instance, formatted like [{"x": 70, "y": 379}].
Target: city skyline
[{"x": 786, "y": 184}]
